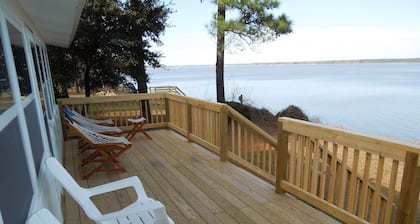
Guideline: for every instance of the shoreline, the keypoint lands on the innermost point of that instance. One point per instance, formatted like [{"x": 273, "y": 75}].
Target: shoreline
[{"x": 346, "y": 61}]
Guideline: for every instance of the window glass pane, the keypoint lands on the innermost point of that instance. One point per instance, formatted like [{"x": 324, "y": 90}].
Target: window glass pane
[
  {"x": 42, "y": 66},
  {"x": 6, "y": 98},
  {"x": 38, "y": 75},
  {"x": 20, "y": 60},
  {"x": 40, "y": 63}
]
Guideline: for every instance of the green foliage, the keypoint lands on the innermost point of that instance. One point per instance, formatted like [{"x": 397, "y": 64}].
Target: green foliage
[
  {"x": 64, "y": 70},
  {"x": 251, "y": 21},
  {"x": 142, "y": 23},
  {"x": 113, "y": 40},
  {"x": 247, "y": 21}
]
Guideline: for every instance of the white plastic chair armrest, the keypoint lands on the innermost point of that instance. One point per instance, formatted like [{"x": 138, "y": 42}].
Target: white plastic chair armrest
[
  {"x": 42, "y": 216},
  {"x": 120, "y": 184},
  {"x": 150, "y": 205}
]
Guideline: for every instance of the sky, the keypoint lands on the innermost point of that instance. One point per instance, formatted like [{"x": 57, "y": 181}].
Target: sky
[{"x": 322, "y": 30}]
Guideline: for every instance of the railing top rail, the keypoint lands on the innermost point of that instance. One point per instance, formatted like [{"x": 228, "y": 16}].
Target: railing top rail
[
  {"x": 389, "y": 148},
  {"x": 101, "y": 99},
  {"x": 196, "y": 102},
  {"x": 253, "y": 126}
]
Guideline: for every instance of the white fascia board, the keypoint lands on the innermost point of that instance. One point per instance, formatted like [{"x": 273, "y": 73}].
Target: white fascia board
[{"x": 56, "y": 21}]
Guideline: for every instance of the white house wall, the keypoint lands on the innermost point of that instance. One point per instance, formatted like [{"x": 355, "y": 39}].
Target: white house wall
[{"x": 24, "y": 119}]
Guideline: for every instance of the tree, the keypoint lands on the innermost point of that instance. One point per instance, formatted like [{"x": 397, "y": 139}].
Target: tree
[
  {"x": 142, "y": 23},
  {"x": 250, "y": 22},
  {"x": 64, "y": 67},
  {"x": 94, "y": 44},
  {"x": 113, "y": 40}
]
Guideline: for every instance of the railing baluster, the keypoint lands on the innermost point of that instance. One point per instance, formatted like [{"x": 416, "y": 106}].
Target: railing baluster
[
  {"x": 333, "y": 171},
  {"x": 323, "y": 170},
  {"x": 377, "y": 194},
  {"x": 307, "y": 164},
  {"x": 292, "y": 160},
  {"x": 353, "y": 183},
  {"x": 364, "y": 191},
  {"x": 315, "y": 174},
  {"x": 391, "y": 191},
  {"x": 300, "y": 157},
  {"x": 343, "y": 179}
]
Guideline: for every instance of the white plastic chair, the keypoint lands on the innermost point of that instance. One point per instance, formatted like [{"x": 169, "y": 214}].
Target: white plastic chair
[
  {"x": 143, "y": 210},
  {"x": 42, "y": 216}
]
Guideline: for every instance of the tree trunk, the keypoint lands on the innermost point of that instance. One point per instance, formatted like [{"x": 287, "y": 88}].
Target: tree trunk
[
  {"x": 87, "y": 81},
  {"x": 142, "y": 76},
  {"x": 142, "y": 83},
  {"x": 220, "y": 61}
]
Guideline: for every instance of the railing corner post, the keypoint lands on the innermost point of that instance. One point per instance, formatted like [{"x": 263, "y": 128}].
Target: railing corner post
[
  {"x": 61, "y": 111},
  {"x": 410, "y": 187},
  {"x": 282, "y": 156},
  {"x": 223, "y": 134}
]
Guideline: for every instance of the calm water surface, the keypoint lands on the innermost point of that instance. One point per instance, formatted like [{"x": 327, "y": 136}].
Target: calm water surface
[{"x": 376, "y": 99}]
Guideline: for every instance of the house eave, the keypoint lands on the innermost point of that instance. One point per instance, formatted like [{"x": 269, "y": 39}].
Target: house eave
[{"x": 55, "y": 20}]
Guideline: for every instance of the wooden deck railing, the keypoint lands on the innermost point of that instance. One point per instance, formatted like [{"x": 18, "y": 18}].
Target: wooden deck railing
[{"x": 352, "y": 177}]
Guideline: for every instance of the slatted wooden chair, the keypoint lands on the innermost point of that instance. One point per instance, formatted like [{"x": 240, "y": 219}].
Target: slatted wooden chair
[
  {"x": 137, "y": 127},
  {"x": 106, "y": 149},
  {"x": 144, "y": 210},
  {"x": 87, "y": 123},
  {"x": 108, "y": 122}
]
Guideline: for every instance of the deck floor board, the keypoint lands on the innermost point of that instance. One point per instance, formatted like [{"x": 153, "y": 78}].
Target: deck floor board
[{"x": 192, "y": 183}]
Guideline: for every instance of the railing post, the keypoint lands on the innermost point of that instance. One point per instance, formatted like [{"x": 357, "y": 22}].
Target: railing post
[
  {"x": 167, "y": 117},
  {"x": 61, "y": 111},
  {"x": 189, "y": 120},
  {"x": 282, "y": 156},
  {"x": 410, "y": 187},
  {"x": 223, "y": 133}
]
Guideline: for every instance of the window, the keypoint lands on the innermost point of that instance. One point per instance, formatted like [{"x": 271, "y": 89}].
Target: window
[
  {"x": 20, "y": 60},
  {"x": 38, "y": 75},
  {"x": 6, "y": 98}
]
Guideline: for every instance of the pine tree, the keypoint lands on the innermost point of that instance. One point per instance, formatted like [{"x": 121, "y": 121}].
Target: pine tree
[
  {"x": 142, "y": 23},
  {"x": 113, "y": 40},
  {"x": 250, "y": 22}
]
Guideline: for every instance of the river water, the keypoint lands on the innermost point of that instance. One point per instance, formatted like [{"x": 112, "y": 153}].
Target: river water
[{"x": 379, "y": 99}]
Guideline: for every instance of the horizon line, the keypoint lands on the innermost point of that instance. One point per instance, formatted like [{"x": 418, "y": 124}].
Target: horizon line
[{"x": 344, "y": 61}]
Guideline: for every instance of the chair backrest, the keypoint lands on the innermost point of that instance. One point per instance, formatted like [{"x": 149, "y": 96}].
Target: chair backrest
[
  {"x": 42, "y": 216},
  {"x": 79, "y": 194},
  {"x": 92, "y": 137}
]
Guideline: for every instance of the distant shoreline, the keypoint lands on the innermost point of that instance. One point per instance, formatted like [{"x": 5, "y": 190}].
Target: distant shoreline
[
  {"x": 350, "y": 61},
  {"x": 354, "y": 61}
]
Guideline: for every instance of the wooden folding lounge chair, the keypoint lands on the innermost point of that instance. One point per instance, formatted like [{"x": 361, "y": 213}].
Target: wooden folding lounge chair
[
  {"x": 42, "y": 216},
  {"x": 144, "y": 210},
  {"x": 107, "y": 130},
  {"x": 106, "y": 148},
  {"x": 137, "y": 127},
  {"x": 107, "y": 122}
]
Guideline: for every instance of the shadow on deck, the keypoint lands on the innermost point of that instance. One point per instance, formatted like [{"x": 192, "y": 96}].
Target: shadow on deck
[{"x": 192, "y": 183}]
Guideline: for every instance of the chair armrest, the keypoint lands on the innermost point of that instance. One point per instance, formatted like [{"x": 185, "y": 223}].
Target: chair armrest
[
  {"x": 138, "y": 208},
  {"x": 120, "y": 184}
]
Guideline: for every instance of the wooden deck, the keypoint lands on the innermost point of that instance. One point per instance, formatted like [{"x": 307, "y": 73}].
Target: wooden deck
[{"x": 192, "y": 183}]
